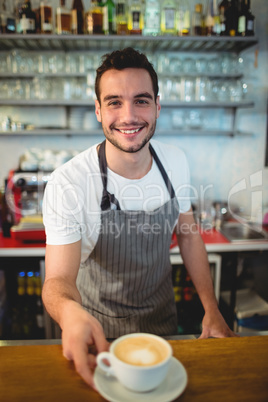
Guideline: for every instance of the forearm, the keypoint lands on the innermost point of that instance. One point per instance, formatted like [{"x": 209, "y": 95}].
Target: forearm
[
  {"x": 58, "y": 296},
  {"x": 196, "y": 261}
]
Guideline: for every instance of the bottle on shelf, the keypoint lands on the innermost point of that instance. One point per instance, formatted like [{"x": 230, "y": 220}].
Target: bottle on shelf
[
  {"x": 109, "y": 17},
  {"x": 135, "y": 19},
  {"x": 168, "y": 18},
  {"x": 77, "y": 17},
  {"x": 231, "y": 16},
  {"x": 121, "y": 17},
  {"x": 250, "y": 28},
  {"x": 7, "y": 20},
  {"x": 63, "y": 19},
  {"x": 39, "y": 331},
  {"x": 224, "y": 4},
  {"x": 94, "y": 18},
  {"x": 152, "y": 17},
  {"x": 209, "y": 19},
  {"x": 183, "y": 18},
  {"x": 46, "y": 22},
  {"x": 245, "y": 19},
  {"x": 197, "y": 19},
  {"x": 216, "y": 17},
  {"x": 27, "y": 18}
]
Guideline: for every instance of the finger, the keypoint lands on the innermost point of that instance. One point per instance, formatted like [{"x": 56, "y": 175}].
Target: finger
[
  {"x": 102, "y": 345},
  {"x": 82, "y": 366}
]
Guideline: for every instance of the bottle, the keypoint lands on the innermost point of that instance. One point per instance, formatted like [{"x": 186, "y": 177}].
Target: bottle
[
  {"x": 183, "y": 19},
  {"x": 39, "y": 331},
  {"x": 77, "y": 17},
  {"x": 63, "y": 19},
  {"x": 231, "y": 16},
  {"x": 7, "y": 20},
  {"x": 197, "y": 19},
  {"x": 121, "y": 17},
  {"x": 245, "y": 19},
  {"x": 224, "y": 4},
  {"x": 135, "y": 19},
  {"x": 94, "y": 18},
  {"x": 109, "y": 17},
  {"x": 250, "y": 29},
  {"x": 168, "y": 18},
  {"x": 216, "y": 17},
  {"x": 46, "y": 25},
  {"x": 28, "y": 19},
  {"x": 152, "y": 17},
  {"x": 210, "y": 19}
]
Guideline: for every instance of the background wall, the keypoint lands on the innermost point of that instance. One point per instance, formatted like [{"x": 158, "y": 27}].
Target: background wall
[{"x": 220, "y": 164}]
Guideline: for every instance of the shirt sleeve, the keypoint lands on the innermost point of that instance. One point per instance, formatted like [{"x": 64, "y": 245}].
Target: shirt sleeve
[{"x": 59, "y": 205}]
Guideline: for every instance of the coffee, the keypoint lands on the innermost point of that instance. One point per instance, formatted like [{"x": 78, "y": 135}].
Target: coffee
[{"x": 141, "y": 351}]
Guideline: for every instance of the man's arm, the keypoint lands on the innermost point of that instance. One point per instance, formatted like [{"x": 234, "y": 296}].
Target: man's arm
[
  {"x": 62, "y": 300},
  {"x": 195, "y": 259}
]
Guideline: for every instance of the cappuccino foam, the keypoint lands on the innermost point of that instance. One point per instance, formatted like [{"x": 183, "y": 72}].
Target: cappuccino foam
[{"x": 141, "y": 351}]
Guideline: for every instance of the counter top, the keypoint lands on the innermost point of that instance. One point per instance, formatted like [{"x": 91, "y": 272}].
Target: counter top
[
  {"x": 214, "y": 242},
  {"x": 233, "y": 369}
]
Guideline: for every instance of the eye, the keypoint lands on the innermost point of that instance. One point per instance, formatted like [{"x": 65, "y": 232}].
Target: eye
[
  {"x": 114, "y": 103},
  {"x": 142, "y": 102}
]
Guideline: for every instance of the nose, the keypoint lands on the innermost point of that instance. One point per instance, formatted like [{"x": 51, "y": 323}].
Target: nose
[{"x": 128, "y": 113}]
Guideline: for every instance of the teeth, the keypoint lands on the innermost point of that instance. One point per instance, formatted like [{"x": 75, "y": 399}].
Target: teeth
[{"x": 129, "y": 131}]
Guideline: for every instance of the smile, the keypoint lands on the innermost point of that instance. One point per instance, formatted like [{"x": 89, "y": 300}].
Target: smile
[{"x": 130, "y": 131}]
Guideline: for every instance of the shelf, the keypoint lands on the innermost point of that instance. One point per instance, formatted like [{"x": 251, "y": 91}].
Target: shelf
[
  {"x": 84, "y": 75},
  {"x": 98, "y": 132},
  {"x": 109, "y": 42},
  {"x": 91, "y": 103}
]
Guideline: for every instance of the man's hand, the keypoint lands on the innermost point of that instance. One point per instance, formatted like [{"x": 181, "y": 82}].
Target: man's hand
[
  {"x": 80, "y": 330},
  {"x": 214, "y": 325}
]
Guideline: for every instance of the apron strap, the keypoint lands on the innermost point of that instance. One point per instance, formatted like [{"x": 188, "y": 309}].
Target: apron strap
[{"x": 108, "y": 200}]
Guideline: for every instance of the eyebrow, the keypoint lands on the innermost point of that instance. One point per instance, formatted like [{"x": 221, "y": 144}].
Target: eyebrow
[{"x": 141, "y": 95}]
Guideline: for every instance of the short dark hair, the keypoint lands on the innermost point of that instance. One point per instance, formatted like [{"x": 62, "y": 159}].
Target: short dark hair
[{"x": 126, "y": 58}]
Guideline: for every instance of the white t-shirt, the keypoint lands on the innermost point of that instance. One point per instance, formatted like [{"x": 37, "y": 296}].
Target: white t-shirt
[{"x": 71, "y": 205}]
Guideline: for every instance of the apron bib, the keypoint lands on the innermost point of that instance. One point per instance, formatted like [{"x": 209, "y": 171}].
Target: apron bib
[{"x": 126, "y": 282}]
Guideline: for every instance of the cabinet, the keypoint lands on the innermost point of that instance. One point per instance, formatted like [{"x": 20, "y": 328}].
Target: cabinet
[{"x": 24, "y": 80}]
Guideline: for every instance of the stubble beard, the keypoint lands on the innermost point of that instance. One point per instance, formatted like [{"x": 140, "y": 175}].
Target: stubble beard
[{"x": 130, "y": 149}]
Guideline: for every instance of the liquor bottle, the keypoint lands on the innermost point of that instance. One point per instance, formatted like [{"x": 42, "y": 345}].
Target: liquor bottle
[
  {"x": 210, "y": 19},
  {"x": 232, "y": 19},
  {"x": 109, "y": 17},
  {"x": 197, "y": 19},
  {"x": 183, "y": 19},
  {"x": 7, "y": 20},
  {"x": 121, "y": 17},
  {"x": 77, "y": 17},
  {"x": 94, "y": 18},
  {"x": 224, "y": 4},
  {"x": 216, "y": 17},
  {"x": 250, "y": 29},
  {"x": 46, "y": 24},
  {"x": 135, "y": 19},
  {"x": 39, "y": 331},
  {"x": 63, "y": 19},
  {"x": 168, "y": 18},
  {"x": 245, "y": 19},
  {"x": 152, "y": 17},
  {"x": 28, "y": 18}
]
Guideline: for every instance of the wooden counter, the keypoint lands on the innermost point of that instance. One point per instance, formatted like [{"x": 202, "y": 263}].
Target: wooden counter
[{"x": 232, "y": 369}]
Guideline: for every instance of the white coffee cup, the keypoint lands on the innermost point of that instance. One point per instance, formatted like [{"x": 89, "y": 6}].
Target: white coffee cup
[{"x": 139, "y": 361}]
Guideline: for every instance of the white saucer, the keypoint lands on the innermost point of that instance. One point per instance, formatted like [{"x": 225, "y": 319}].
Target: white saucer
[{"x": 173, "y": 386}]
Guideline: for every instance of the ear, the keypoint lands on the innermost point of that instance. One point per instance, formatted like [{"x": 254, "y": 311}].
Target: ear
[
  {"x": 158, "y": 107},
  {"x": 97, "y": 110}
]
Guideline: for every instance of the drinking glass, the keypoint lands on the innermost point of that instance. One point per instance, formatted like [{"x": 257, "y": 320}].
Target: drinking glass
[{"x": 188, "y": 89}]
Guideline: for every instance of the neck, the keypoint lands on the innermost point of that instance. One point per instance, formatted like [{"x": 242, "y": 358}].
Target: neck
[{"x": 126, "y": 164}]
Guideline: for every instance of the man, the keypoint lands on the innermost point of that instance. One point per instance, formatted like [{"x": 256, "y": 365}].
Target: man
[{"x": 109, "y": 215}]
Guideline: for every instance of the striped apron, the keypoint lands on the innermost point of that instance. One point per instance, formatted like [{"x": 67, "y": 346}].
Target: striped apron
[{"x": 126, "y": 282}]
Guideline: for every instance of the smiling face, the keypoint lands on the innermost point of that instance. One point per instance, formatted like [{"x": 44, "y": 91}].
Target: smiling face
[{"x": 127, "y": 109}]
